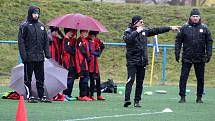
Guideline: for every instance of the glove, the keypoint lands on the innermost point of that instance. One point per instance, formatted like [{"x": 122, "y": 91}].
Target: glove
[
  {"x": 89, "y": 59},
  {"x": 97, "y": 53},
  {"x": 177, "y": 58},
  {"x": 208, "y": 58},
  {"x": 48, "y": 57},
  {"x": 102, "y": 46}
]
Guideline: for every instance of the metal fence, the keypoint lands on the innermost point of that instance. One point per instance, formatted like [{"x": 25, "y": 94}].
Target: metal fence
[{"x": 115, "y": 65}]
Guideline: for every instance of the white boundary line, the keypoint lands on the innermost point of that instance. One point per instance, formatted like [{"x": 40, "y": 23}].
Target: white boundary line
[{"x": 100, "y": 117}]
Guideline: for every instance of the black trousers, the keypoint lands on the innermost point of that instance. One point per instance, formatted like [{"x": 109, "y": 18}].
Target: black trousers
[
  {"x": 199, "y": 71},
  {"x": 95, "y": 81},
  {"x": 139, "y": 72},
  {"x": 38, "y": 69},
  {"x": 83, "y": 85},
  {"x": 70, "y": 81}
]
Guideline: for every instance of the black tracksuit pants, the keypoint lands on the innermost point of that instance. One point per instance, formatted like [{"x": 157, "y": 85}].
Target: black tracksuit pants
[
  {"x": 83, "y": 85},
  {"x": 38, "y": 69},
  {"x": 70, "y": 81},
  {"x": 139, "y": 72},
  {"x": 199, "y": 71},
  {"x": 95, "y": 81}
]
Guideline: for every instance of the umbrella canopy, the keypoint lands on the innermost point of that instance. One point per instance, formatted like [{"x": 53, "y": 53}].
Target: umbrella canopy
[
  {"x": 55, "y": 79},
  {"x": 77, "y": 21}
]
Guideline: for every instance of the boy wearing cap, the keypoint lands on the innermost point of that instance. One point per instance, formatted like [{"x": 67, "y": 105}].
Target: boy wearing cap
[
  {"x": 197, "y": 50},
  {"x": 135, "y": 37},
  {"x": 33, "y": 46}
]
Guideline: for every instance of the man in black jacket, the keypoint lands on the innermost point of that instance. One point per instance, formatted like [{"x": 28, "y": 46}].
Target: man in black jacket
[
  {"x": 135, "y": 38},
  {"x": 33, "y": 45},
  {"x": 197, "y": 50}
]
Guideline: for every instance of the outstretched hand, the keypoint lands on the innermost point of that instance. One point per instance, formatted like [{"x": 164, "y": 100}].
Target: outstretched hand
[
  {"x": 177, "y": 58},
  {"x": 175, "y": 28}
]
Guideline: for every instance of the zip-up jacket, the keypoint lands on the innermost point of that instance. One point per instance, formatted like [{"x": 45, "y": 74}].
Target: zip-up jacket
[
  {"x": 197, "y": 43},
  {"x": 136, "y": 44},
  {"x": 32, "y": 39}
]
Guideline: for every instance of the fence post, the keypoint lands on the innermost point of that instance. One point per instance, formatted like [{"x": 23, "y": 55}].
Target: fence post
[{"x": 164, "y": 66}]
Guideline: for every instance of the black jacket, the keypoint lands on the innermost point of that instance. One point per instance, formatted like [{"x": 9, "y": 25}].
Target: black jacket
[
  {"x": 32, "y": 39},
  {"x": 136, "y": 44},
  {"x": 197, "y": 43}
]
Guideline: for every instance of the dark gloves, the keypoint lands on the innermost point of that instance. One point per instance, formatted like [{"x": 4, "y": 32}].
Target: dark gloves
[
  {"x": 72, "y": 50},
  {"x": 97, "y": 53},
  {"x": 208, "y": 58},
  {"x": 177, "y": 58},
  {"x": 102, "y": 46},
  {"x": 89, "y": 59},
  {"x": 48, "y": 57}
]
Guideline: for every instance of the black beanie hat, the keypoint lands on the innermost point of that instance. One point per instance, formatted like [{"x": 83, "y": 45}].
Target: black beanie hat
[
  {"x": 93, "y": 33},
  {"x": 66, "y": 30},
  {"x": 194, "y": 11},
  {"x": 53, "y": 28},
  {"x": 135, "y": 19}
]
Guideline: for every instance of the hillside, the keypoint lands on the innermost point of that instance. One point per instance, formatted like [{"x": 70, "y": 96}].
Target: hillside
[{"x": 116, "y": 18}]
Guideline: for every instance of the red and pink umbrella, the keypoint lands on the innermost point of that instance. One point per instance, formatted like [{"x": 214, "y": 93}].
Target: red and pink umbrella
[{"x": 77, "y": 21}]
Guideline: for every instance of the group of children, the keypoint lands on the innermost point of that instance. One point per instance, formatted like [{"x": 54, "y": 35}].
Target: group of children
[{"x": 79, "y": 55}]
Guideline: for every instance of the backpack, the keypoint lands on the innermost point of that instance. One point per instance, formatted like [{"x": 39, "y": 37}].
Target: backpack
[
  {"x": 109, "y": 86},
  {"x": 11, "y": 95}
]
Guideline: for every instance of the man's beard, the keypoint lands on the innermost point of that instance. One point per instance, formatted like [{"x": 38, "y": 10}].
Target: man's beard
[{"x": 36, "y": 18}]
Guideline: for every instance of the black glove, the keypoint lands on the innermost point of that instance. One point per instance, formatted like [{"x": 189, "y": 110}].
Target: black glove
[
  {"x": 89, "y": 59},
  {"x": 102, "y": 46},
  {"x": 97, "y": 53},
  {"x": 208, "y": 58},
  {"x": 48, "y": 57},
  {"x": 177, "y": 58}
]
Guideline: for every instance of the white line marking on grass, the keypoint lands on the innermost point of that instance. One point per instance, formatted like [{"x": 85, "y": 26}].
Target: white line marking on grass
[{"x": 116, "y": 116}]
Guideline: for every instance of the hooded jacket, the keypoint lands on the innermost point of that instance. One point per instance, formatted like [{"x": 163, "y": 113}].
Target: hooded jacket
[
  {"x": 197, "y": 43},
  {"x": 32, "y": 39},
  {"x": 136, "y": 44}
]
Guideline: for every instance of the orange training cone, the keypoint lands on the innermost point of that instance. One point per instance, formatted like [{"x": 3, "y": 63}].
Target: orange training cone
[{"x": 21, "y": 112}]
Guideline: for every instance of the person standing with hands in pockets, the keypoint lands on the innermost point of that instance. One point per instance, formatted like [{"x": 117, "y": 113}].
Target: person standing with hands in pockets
[{"x": 135, "y": 37}]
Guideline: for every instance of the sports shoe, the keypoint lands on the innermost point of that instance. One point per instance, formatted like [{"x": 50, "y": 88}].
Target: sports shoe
[
  {"x": 32, "y": 100},
  {"x": 137, "y": 104},
  {"x": 100, "y": 98},
  {"x": 127, "y": 103},
  {"x": 182, "y": 100},
  {"x": 199, "y": 100},
  {"x": 69, "y": 98},
  {"x": 91, "y": 97},
  {"x": 44, "y": 100},
  {"x": 85, "y": 98}
]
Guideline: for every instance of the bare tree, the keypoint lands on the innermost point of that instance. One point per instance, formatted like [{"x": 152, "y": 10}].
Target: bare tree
[
  {"x": 182, "y": 2},
  {"x": 154, "y": 1},
  {"x": 193, "y": 2},
  {"x": 202, "y": 2},
  {"x": 174, "y": 2}
]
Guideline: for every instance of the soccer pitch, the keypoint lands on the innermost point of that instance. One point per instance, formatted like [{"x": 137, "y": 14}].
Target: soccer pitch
[{"x": 153, "y": 108}]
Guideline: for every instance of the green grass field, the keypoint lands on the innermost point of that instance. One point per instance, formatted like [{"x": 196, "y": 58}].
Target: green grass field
[
  {"x": 115, "y": 17},
  {"x": 112, "y": 109}
]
